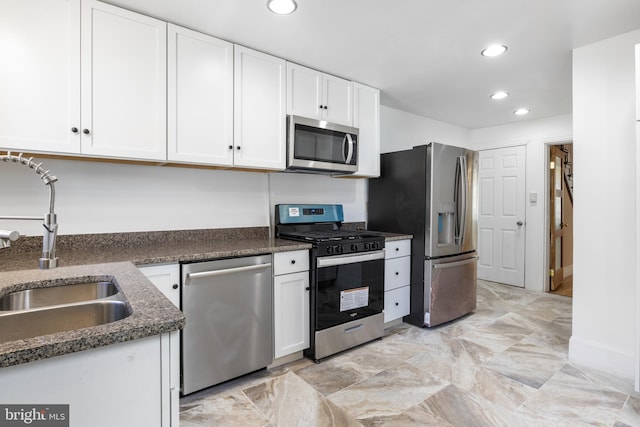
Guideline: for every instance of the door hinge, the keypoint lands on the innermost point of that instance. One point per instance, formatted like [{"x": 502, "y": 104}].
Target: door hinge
[
  {"x": 552, "y": 165},
  {"x": 551, "y": 272}
]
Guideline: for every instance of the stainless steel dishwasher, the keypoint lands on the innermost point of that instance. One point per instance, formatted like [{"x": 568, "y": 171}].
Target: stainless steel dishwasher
[{"x": 228, "y": 305}]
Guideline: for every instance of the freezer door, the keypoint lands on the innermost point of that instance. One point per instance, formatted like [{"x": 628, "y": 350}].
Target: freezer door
[{"x": 450, "y": 287}]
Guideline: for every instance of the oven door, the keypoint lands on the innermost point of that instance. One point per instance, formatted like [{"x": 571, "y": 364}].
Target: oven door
[{"x": 348, "y": 287}]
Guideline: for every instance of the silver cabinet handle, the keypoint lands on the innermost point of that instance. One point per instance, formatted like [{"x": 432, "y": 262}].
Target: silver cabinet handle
[
  {"x": 349, "y": 259},
  {"x": 455, "y": 264},
  {"x": 226, "y": 271}
]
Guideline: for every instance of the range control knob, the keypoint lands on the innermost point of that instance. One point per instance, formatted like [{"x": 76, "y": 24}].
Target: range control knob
[
  {"x": 329, "y": 249},
  {"x": 337, "y": 249},
  {"x": 354, "y": 247}
]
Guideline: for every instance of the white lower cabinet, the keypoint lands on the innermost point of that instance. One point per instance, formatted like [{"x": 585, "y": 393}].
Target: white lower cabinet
[
  {"x": 397, "y": 279},
  {"x": 290, "y": 302},
  {"x": 167, "y": 279},
  {"x": 116, "y": 385}
]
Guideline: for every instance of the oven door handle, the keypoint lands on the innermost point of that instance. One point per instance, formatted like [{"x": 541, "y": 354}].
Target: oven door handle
[{"x": 349, "y": 259}]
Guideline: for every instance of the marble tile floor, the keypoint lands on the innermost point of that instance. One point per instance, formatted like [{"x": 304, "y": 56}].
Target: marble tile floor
[{"x": 503, "y": 365}]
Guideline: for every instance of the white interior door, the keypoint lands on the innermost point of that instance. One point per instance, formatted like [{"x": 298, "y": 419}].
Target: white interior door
[{"x": 501, "y": 215}]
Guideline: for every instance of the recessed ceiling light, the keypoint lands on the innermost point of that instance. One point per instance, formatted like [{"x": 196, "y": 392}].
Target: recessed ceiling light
[
  {"x": 521, "y": 111},
  {"x": 494, "y": 50},
  {"x": 282, "y": 7},
  {"x": 499, "y": 95}
]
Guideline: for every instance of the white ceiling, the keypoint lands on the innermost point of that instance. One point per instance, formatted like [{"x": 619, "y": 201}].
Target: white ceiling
[{"x": 424, "y": 55}]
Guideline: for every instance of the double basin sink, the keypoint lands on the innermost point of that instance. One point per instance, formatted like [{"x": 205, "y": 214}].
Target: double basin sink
[{"x": 41, "y": 311}]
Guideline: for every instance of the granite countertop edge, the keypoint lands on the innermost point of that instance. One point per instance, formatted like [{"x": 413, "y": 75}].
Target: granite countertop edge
[{"x": 151, "y": 312}]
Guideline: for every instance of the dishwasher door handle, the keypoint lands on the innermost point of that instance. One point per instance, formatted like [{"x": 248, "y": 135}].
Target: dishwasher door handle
[{"x": 226, "y": 271}]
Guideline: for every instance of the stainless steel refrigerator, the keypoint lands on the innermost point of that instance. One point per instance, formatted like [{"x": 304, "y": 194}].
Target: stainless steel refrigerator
[{"x": 428, "y": 192}]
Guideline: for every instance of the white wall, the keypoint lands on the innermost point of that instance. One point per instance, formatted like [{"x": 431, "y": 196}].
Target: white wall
[
  {"x": 96, "y": 197},
  {"x": 400, "y": 130},
  {"x": 305, "y": 188},
  {"x": 535, "y": 134},
  {"x": 604, "y": 309}
]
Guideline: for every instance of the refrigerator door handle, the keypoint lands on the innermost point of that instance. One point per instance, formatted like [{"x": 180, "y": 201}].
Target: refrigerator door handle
[
  {"x": 462, "y": 183},
  {"x": 455, "y": 264}
]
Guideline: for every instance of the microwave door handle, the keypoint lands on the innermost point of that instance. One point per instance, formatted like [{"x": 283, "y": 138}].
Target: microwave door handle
[{"x": 347, "y": 138}]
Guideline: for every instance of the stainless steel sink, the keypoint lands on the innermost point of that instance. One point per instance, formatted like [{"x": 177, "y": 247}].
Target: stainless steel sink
[
  {"x": 17, "y": 325},
  {"x": 56, "y": 295}
]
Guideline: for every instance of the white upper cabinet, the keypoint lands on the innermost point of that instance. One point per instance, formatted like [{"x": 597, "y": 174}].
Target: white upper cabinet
[
  {"x": 366, "y": 118},
  {"x": 40, "y": 75},
  {"x": 320, "y": 96},
  {"x": 259, "y": 110},
  {"x": 123, "y": 83},
  {"x": 200, "y": 98}
]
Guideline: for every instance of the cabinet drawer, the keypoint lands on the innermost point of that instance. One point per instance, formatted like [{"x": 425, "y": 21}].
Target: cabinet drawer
[
  {"x": 396, "y": 303},
  {"x": 397, "y": 272},
  {"x": 290, "y": 262},
  {"x": 397, "y": 248}
]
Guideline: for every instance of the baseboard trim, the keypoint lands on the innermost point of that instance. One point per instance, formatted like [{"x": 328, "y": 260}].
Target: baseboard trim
[{"x": 601, "y": 357}]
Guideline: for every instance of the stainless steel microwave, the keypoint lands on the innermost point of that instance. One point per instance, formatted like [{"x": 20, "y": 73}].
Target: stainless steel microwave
[{"x": 315, "y": 145}]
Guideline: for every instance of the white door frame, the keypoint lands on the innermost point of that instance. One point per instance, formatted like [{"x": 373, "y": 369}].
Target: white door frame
[{"x": 547, "y": 219}]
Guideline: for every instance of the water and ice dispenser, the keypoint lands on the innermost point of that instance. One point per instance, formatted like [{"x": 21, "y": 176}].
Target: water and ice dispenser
[{"x": 446, "y": 224}]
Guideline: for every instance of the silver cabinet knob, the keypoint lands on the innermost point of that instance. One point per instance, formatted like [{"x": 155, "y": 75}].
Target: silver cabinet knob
[{"x": 520, "y": 223}]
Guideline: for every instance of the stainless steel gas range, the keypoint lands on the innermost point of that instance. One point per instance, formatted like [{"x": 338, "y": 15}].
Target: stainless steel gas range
[{"x": 347, "y": 277}]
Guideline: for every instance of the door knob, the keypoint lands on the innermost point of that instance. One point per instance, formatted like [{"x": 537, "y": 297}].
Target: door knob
[{"x": 520, "y": 223}]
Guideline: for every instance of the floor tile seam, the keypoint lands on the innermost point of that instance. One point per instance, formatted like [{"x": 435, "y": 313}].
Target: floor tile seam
[
  {"x": 329, "y": 396},
  {"x": 255, "y": 407},
  {"x": 602, "y": 383},
  {"x": 478, "y": 400},
  {"x": 425, "y": 406}
]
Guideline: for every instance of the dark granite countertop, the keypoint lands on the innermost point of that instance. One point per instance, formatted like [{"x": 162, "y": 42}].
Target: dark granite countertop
[
  {"x": 152, "y": 313},
  {"x": 144, "y": 248},
  {"x": 117, "y": 255}
]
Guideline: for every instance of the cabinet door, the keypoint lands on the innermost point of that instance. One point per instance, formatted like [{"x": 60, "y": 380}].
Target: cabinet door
[
  {"x": 291, "y": 313},
  {"x": 290, "y": 262},
  {"x": 40, "y": 75},
  {"x": 167, "y": 279},
  {"x": 304, "y": 92},
  {"x": 200, "y": 98},
  {"x": 396, "y": 272},
  {"x": 338, "y": 98},
  {"x": 259, "y": 110},
  {"x": 396, "y": 303},
  {"x": 123, "y": 83},
  {"x": 366, "y": 118},
  {"x": 397, "y": 248}
]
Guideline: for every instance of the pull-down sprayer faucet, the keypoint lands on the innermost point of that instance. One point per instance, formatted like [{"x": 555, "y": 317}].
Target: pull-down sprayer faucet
[{"x": 49, "y": 259}]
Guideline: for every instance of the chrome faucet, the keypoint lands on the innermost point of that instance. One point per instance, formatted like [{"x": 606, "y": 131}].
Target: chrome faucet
[{"x": 49, "y": 259}]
